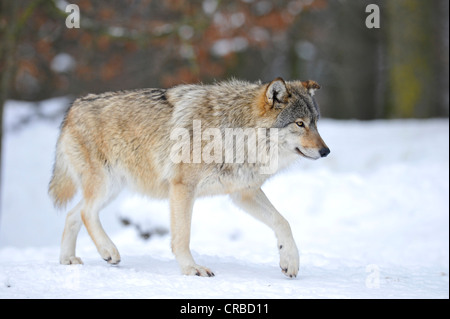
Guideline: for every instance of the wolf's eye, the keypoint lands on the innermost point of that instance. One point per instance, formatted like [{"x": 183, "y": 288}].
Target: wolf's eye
[{"x": 300, "y": 124}]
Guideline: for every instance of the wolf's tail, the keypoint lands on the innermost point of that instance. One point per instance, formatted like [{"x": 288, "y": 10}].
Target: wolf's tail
[{"x": 62, "y": 187}]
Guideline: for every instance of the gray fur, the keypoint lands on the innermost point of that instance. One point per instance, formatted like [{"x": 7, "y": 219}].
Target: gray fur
[{"x": 305, "y": 106}]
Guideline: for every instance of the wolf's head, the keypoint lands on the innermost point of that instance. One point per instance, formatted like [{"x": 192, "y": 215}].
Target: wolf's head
[{"x": 297, "y": 116}]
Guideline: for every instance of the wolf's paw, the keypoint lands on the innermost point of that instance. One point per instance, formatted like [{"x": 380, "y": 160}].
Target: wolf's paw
[
  {"x": 110, "y": 254},
  {"x": 196, "y": 270},
  {"x": 70, "y": 260},
  {"x": 289, "y": 260}
]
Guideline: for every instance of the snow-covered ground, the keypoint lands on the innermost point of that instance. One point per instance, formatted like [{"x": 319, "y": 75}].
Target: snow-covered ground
[{"x": 371, "y": 221}]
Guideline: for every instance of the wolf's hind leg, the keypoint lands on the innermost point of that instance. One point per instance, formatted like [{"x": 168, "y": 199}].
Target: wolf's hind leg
[
  {"x": 69, "y": 238},
  {"x": 105, "y": 247},
  {"x": 181, "y": 203},
  {"x": 94, "y": 200},
  {"x": 258, "y": 205}
]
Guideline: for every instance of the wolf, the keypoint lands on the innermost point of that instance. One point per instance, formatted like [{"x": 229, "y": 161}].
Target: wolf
[{"x": 111, "y": 140}]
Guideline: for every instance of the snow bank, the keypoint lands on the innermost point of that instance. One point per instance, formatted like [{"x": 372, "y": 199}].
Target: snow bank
[{"x": 371, "y": 221}]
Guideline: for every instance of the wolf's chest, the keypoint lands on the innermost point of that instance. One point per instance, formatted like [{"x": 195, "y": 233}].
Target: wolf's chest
[{"x": 230, "y": 178}]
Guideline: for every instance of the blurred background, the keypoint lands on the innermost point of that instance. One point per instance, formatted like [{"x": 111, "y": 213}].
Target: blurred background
[{"x": 399, "y": 70}]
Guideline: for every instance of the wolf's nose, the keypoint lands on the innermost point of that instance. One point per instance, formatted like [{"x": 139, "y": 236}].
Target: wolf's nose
[{"x": 324, "y": 152}]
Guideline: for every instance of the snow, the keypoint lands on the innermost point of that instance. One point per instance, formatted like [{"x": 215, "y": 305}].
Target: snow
[
  {"x": 371, "y": 221},
  {"x": 63, "y": 62}
]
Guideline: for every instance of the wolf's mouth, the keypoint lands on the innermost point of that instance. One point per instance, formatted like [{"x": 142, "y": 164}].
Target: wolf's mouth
[{"x": 302, "y": 154}]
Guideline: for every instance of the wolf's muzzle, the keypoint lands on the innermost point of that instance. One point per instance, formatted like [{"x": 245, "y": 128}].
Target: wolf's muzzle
[{"x": 324, "y": 152}]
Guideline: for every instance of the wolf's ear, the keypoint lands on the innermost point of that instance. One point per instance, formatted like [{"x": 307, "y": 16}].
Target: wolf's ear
[
  {"x": 276, "y": 92},
  {"x": 311, "y": 86}
]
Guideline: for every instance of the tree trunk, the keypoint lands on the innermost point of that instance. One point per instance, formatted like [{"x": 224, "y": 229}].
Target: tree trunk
[
  {"x": 410, "y": 52},
  {"x": 8, "y": 12}
]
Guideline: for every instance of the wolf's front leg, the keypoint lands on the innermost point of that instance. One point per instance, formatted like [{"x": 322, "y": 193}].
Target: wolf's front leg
[
  {"x": 181, "y": 203},
  {"x": 258, "y": 205}
]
